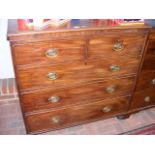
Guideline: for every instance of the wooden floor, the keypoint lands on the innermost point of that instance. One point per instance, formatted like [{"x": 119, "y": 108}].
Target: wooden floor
[{"x": 11, "y": 121}]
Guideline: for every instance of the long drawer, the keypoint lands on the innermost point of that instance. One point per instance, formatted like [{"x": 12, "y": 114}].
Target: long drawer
[
  {"x": 55, "y": 98},
  {"x": 75, "y": 115},
  {"x": 74, "y": 73}
]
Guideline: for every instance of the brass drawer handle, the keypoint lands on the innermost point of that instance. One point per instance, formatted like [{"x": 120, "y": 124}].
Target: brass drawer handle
[
  {"x": 52, "y": 76},
  {"x": 55, "y": 120},
  {"x": 54, "y": 99},
  {"x": 107, "y": 109},
  {"x": 51, "y": 53},
  {"x": 147, "y": 99},
  {"x": 110, "y": 89},
  {"x": 153, "y": 81},
  {"x": 118, "y": 46},
  {"x": 114, "y": 68}
]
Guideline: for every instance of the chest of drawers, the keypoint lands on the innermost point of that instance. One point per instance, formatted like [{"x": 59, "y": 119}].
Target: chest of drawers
[
  {"x": 68, "y": 76},
  {"x": 144, "y": 95}
]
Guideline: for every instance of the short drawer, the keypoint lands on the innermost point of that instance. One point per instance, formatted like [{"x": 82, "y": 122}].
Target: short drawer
[
  {"x": 48, "y": 52},
  {"x": 49, "y": 98},
  {"x": 113, "y": 46},
  {"x": 143, "y": 98},
  {"x": 74, "y": 73},
  {"x": 146, "y": 80},
  {"x": 75, "y": 115}
]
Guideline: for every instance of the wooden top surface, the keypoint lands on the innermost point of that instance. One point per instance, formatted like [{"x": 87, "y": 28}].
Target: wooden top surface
[{"x": 73, "y": 25}]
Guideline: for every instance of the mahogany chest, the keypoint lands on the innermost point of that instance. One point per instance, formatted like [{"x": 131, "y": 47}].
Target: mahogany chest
[
  {"x": 68, "y": 76},
  {"x": 144, "y": 95}
]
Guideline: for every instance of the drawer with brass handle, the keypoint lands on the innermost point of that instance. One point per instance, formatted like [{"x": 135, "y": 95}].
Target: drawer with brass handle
[
  {"x": 76, "y": 115},
  {"x": 54, "y": 99},
  {"x": 115, "y": 68},
  {"x": 49, "y": 52},
  {"x": 153, "y": 81},
  {"x": 55, "y": 120},
  {"x": 110, "y": 46},
  {"x": 111, "y": 89},
  {"x": 146, "y": 80},
  {"x": 83, "y": 94},
  {"x": 52, "y": 76},
  {"x": 118, "y": 45},
  {"x": 107, "y": 109},
  {"x": 74, "y": 73},
  {"x": 147, "y": 99},
  {"x": 143, "y": 98}
]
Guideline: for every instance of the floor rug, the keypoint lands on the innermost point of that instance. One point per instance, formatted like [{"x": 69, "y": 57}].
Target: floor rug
[{"x": 146, "y": 130}]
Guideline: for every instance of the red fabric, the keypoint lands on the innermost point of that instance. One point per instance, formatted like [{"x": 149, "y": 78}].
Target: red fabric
[
  {"x": 21, "y": 24},
  {"x": 148, "y": 130}
]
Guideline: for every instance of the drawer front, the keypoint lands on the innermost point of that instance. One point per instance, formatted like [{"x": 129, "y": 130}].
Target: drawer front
[
  {"x": 146, "y": 80},
  {"x": 111, "y": 46},
  {"x": 49, "y": 52},
  {"x": 49, "y": 98},
  {"x": 149, "y": 62},
  {"x": 75, "y": 115},
  {"x": 152, "y": 35},
  {"x": 143, "y": 98},
  {"x": 74, "y": 73}
]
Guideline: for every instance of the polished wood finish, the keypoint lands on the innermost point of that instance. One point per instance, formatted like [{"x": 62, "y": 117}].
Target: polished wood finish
[
  {"x": 143, "y": 98},
  {"x": 149, "y": 62},
  {"x": 145, "y": 89},
  {"x": 103, "y": 46},
  {"x": 146, "y": 80},
  {"x": 74, "y": 73},
  {"x": 33, "y": 53},
  {"x": 77, "y": 95},
  {"x": 76, "y": 115},
  {"x": 71, "y": 50},
  {"x": 80, "y": 73}
]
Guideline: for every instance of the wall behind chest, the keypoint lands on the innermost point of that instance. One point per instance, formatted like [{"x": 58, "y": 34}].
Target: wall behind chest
[{"x": 6, "y": 67}]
